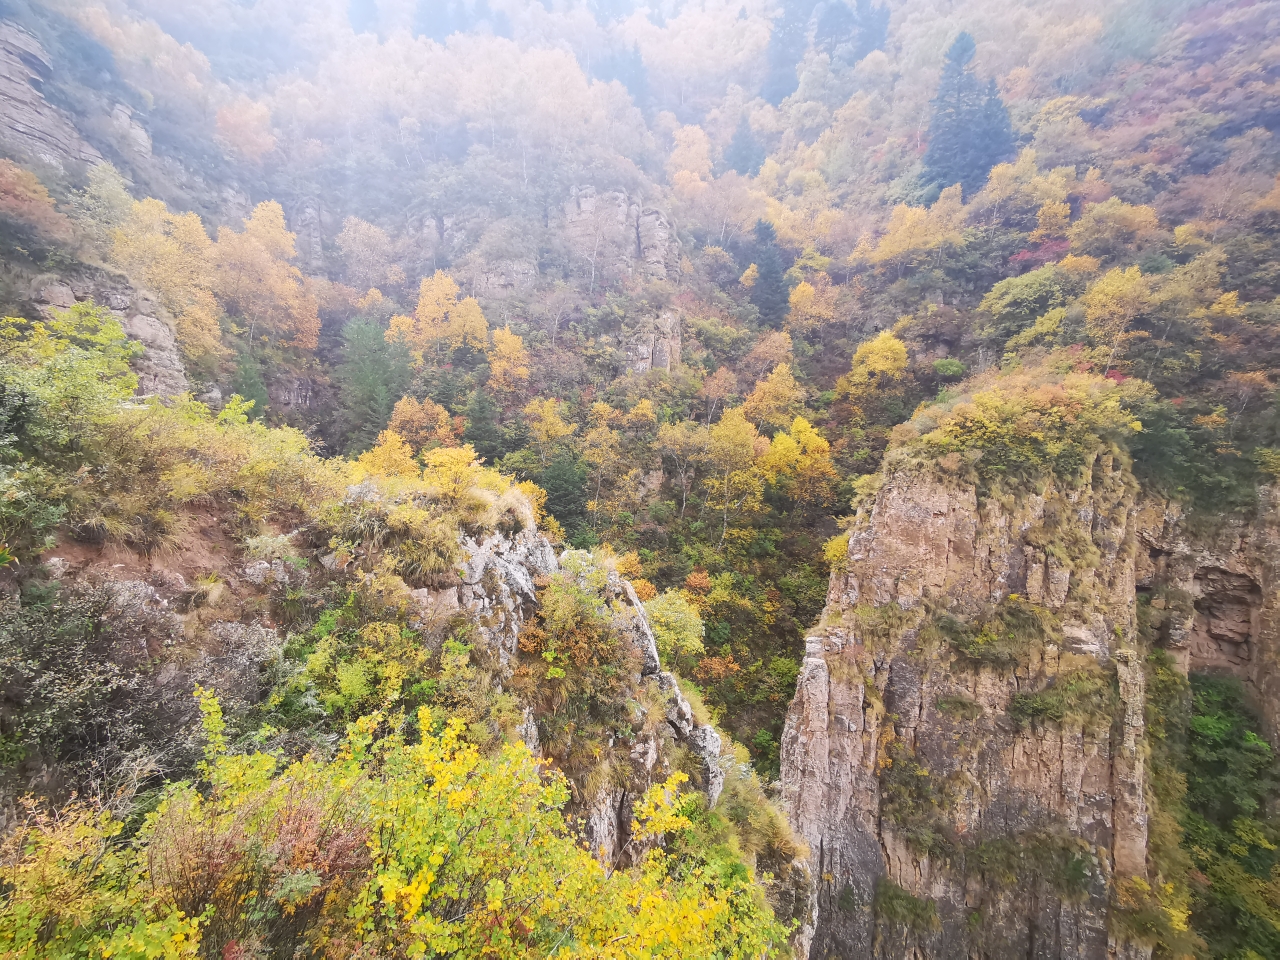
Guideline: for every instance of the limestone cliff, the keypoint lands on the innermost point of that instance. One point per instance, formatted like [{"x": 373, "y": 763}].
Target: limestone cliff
[{"x": 965, "y": 755}]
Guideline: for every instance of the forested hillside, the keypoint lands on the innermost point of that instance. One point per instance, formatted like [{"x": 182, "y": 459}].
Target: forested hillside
[{"x": 383, "y": 380}]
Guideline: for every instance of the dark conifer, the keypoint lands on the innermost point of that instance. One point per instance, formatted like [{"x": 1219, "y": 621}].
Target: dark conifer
[
  {"x": 770, "y": 293},
  {"x": 786, "y": 48},
  {"x": 970, "y": 131},
  {"x": 373, "y": 375},
  {"x": 482, "y": 430},
  {"x": 249, "y": 385},
  {"x": 996, "y": 127},
  {"x": 745, "y": 153},
  {"x": 848, "y": 34}
]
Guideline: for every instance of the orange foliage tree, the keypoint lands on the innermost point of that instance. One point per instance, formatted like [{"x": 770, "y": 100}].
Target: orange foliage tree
[{"x": 254, "y": 279}]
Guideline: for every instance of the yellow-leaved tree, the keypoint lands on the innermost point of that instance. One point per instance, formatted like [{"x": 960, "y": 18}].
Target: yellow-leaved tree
[
  {"x": 169, "y": 254},
  {"x": 546, "y": 425},
  {"x": 813, "y": 305},
  {"x": 798, "y": 464},
  {"x": 256, "y": 282},
  {"x": 441, "y": 322},
  {"x": 508, "y": 363},
  {"x": 391, "y": 456},
  {"x": 422, "y": 424},
  {"x": 1112, "y": 304},
  {"x": 775, "y": 400},
  {"x": 915, "y": 234},
  {"x": 878, "y": 364},
  {"x": 735, "y": 488},
  {"x": 397, "y": 849}
]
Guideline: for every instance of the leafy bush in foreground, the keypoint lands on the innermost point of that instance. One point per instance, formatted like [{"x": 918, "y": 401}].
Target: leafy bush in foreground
[{"x": 391, "y": 848}]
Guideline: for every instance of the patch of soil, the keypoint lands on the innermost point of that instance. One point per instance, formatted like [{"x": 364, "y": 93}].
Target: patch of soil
[{"x": 205, "y": 548}]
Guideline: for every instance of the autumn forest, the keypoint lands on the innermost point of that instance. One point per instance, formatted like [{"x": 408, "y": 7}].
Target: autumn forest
[{"x": 434, "y": 436}]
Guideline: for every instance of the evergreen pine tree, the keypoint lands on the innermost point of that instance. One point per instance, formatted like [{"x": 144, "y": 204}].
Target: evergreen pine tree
[
  {"x": 482, "y": 430},
  {"x": 996, "y": 128},
  {"x": 847, "y": 34},
  {"x": 786, "y": 48},
  {"x": 770, "y": 293},
  {"x": 970, "y": 132},
  {"x": 565, "y": 481},
  {"x": 373, "y": 375},
  {"x": 745, "y": 153},
  {"x": 248, "y": 383},
  {"x": 873, "y": 29}
]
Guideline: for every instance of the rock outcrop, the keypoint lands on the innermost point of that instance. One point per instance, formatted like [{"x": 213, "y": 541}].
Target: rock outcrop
[
  {"x": 498, "y": 593},
  {"x": 159, "y": 366},
  {"x": 1216, "y": 595},
  {"x": 655, "y": 344},
  {"x": 946, "y": 813},
  {"x": 30, "y": 126},
  {"x": 616, "y": 232}
]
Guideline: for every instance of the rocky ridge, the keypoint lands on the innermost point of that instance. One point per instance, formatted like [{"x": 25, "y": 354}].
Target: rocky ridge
[
  {"x": 917, "y": 749},
  {"x": 496, "y": 590},
  {"x": 903, "y": 768}
]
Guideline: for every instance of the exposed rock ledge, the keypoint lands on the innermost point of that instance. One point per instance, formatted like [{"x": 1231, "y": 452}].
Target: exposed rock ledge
[
  {"x": 498, "y": 592},
  {"x": 159, "y": 368}
]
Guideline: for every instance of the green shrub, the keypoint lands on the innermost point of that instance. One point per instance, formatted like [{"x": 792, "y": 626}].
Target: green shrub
[
  {"x": 1088, "y": 697},
  {"x": 914, "y": 803},
  {"x": 390, "y": 843},
  {"x": 1014, "y": 304},
  {"x": 895, "y": 905},
  {"x": 1023, "y": 426},
  {"x": 960, "y": 707},
  {"x": 949, "y": 368},
  {"x": 1003, "y": 637},
  {"x": 1064, "y": 863},
  {"x": 577, "y": 667},
  {"x": 677, "y": 627},
  {"x": 1233, "y": 839},
  {"x": 80, "y": 697}
]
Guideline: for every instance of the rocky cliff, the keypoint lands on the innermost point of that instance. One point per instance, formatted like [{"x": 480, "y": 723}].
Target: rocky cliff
[
  {"x": 965, "y": 753},
  {"x": 498, "y": 592},
  {"x": 159, "y": 365},
  {"x": 226, "y": 637},
  {"x": 1215, "y": 595}
]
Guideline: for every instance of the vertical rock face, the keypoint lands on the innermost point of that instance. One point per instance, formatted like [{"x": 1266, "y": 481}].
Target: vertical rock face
[
  {"x": 307, "y": 223},
  {"x": 655, "y": 345},
  {"x": 950, "y": 809},
  {"x": 1217, "y": 596},
  {"x": 617, "y": 233},
  {"x": 29, "y": 124}
]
